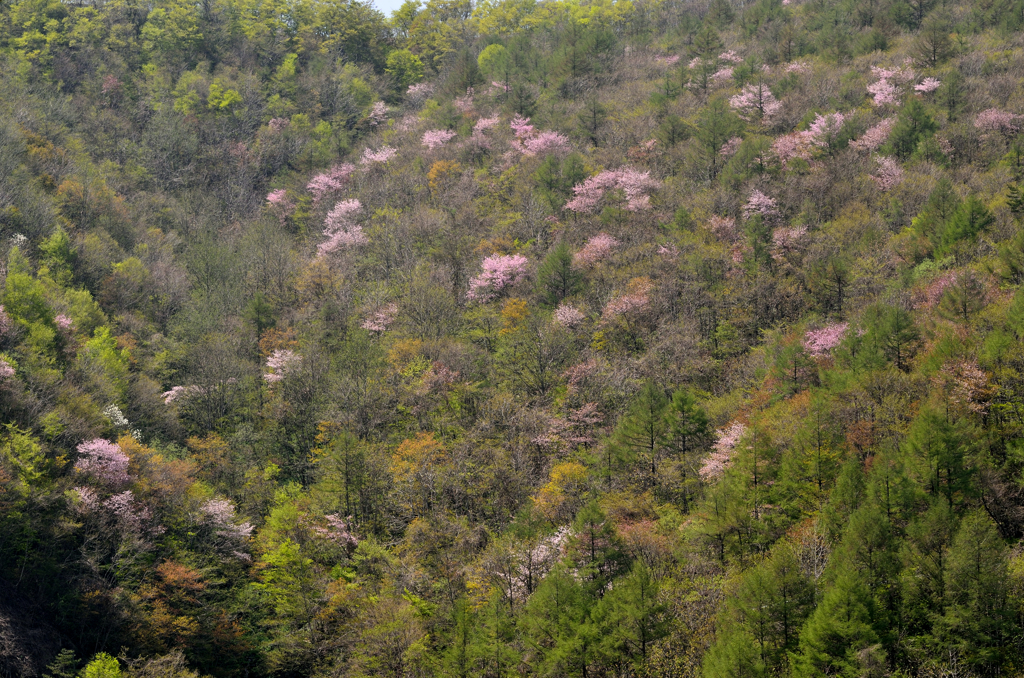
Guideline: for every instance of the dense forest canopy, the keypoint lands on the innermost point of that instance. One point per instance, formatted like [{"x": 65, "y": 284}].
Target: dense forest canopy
[{"x": 525, "y": 338}]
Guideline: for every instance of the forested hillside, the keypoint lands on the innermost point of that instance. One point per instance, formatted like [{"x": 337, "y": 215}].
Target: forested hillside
[{"x": 532, "y": 338}]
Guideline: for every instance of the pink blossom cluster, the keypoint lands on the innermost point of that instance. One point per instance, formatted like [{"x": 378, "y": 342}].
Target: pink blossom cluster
[
  {"x": 886, "y": 90},
  {"x": 568, "y": 316},
  {"x": 330, "y": 182},
  {"x": 722, "y": 75},
  {"x": 125, "y": 509},
  {"x": 436, "y": 138},
  {"x": 795, "y": 146},
  {"x": 928, "y": 85},
  {"x": 577, "y": 374},
  {"x": 635, "y": 300},
  {"x": 798, "y": 67},
  {"x": 384, "y": 154},
  {"x": 545, "y": 143},
  {"x": 521, "y": 127},
  {"x": 731, "y": 57},
  {"x": 724, "y": 228},
  {"x": 378, "y": 114},
  {"x": 755, "y": 102},
  {"x": 694, "y": 62},
  {"x": 180, "y": 392},
  {"x": 277, "y": 125},
  {"x": 669, "y": 251},
  {"x": 877, "y": 135},
  {"x": 596, "y": 249},
  {"x": 381, "y": 319},
  {"x": 575, "y": 429},
  {"x": 667, "y": 60},
  {"x": 110, "y": 84},
  {"x": 280, "y": 363},
  {"x": 338, "y": 531},
  {"x": 220, "y": 514},
  {"x": 500, "y": 87},
  {"x": 278, "y": 197},
  {"x": 730, "y": 147},
  {"x": 408, "y": 123},
  {"x": 821, "y": 342},
  {"x": 88, "y": 500},
  {"x": 499, "y": 272},
  {"x": 6, "y": 369},
  {"x": 995, "y": 120},
  {"x": 721, "y": 455},
  {"x": 419, "y": 92},
  {"x": 759, "y": 203},
  {"x": 64, "y": 323},
  {"x": 485, "y": 124},
  {"x": 825, "y": 128},
  {"x": 340, "y": 228},
  {"x": 938, "y": 287},
  {"x": 889, "y": 174},
  {"x": 5, "y": 321},
  {"x": 104, "y": 461},
  {"x": 464, "y": 104},
  {"x": 633, "y": 183}
]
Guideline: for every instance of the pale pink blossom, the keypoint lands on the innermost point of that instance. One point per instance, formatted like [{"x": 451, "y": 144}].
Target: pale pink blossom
[
  {"x": 795, "y": 146},
  {"x": 568, "y": 316},
  {"x": 88, "y": 500},
  {"x": 6, "y": 370},
  {"x": 381, "y": 319},
  {"x": 181, "y": 392},
  {"x": 755, "y": 102},
  {"x": 220, "y": 515},
  {"x": 378, "y": 114},
  {"x": 667, "y": 60},
  {"x": 694, "y": 62},
  {"x": 5, "y": 322},
  {"x": 499, "y": 272},
  {"x": 439, "y": 378},
  {"x": 384, "y": 154},
  {"x": 597, "y": 248},
  {"x": 418, "y": 93},
  {"x": 873, "y": 139},
  {"x": 521, "y": 127},
  {"x": 731, "y": 57},
  {"x": 721, "y": 455},
  {"x": 340, "y": 228},
  {"x": 280, "y": 363},
  {"x": 669, "y": 251},
  {"x": 633, "y": 183},
  {"x": 278, "y": 197},
  {"x": 823, "y": 132},
  {"x": 104, "y": 461},
  {"x": 730, "y": 147},
  {"x": 330, "y": 182},
  {"x": 798, "y": 67},
  {"x": 64, "y": 323},
  {"x": 436, "y": 138},
  {"x": 820, "y": 342},
  {"x": 126, "y": 510},
  {"x": 759, "y": 203},
  {"x": 575, "y": 429},
  {"x": 886, "y": 89},
  {"x": 889, "y": 174},
  {"x": 485, "y": 124},
  {"x": 995, "y": 120},
  {"x": 278, "y": 125},
  {"x": 722, "y": 75},
  {"x": 928, "y": 85},
  {"x": 337, "y": 530},
  {"x": 635, "y": 300},
  {"x": 464, "y": 104},
  {"x": 500, "y": 87},
  {"x": 576, "y": 375},
  {"x": 545, "y": 143}
]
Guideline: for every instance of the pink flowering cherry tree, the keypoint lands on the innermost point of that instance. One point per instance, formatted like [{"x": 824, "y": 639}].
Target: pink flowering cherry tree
[
  {"x": 380, "y": 320},
  {"x": 877, "y": 135},
  {"x": 382, "y": 156},
  {"x": 996, "y": 120},
  {"x": 103, "y": 461},
  {"x": 280, "y": 363},
  {"x": 634, "y": 184},
  {"x": 499, "y": 273},
  {"x": 718, "y": 461},
  {"x": 760, "y": 204},
  {"x": 820, "y": 342},
  {"x": 436, "y": 138},
  {"x": 568, "y": 316},
  {"x": 341, "y": 229},
  {"x": 889, "y": 173},
  {"x": 597, "y": 248},
  {"x": 331, "y": 181},
  {"x": 755, "y": 102}
]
